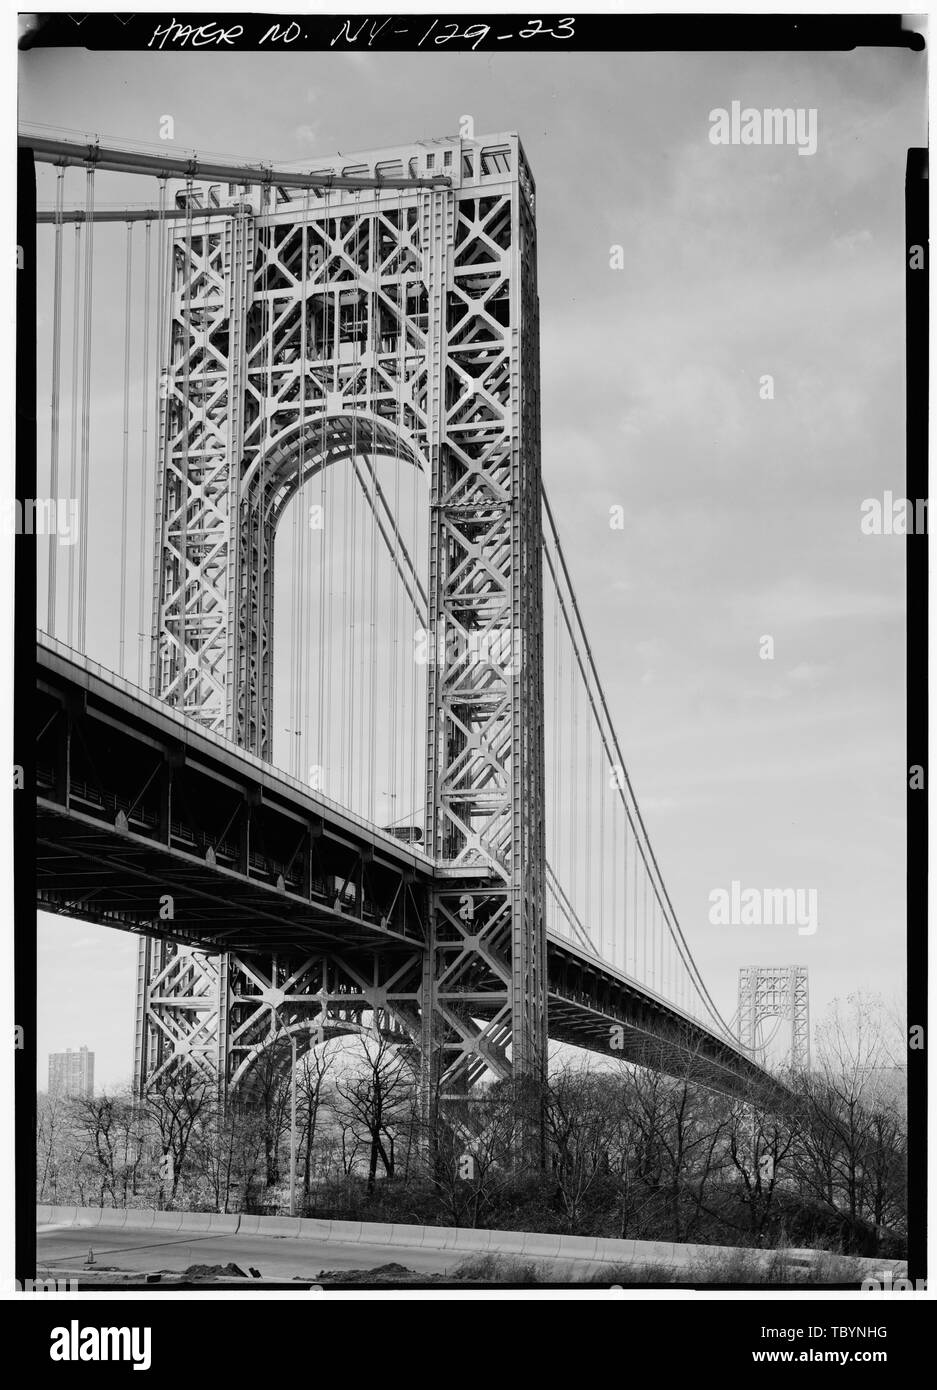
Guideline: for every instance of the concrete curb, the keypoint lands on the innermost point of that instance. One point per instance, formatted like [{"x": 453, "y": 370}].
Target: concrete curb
[
  {"x": 171, "y": 1220},
  {"x": 224, "y": 1224},
  {"x": 145, "y": 1225},
  {"x": 592, "y": 1250},
  {"x": 88, "y": 1216}
]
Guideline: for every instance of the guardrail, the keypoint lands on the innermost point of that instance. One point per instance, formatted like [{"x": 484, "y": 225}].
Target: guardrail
[{"x": 533, "y": 1245}]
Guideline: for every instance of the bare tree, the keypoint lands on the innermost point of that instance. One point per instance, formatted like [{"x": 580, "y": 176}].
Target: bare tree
[
  {"x": 760, "y": 1144},
  {"x": 227, "y": 1151},
  {"x": 581, "y": 1129},
  {"x": 268, "y": 1097},
  {"x": 373, "y": 1099},
  {"x": 886, "y": 1167},
  {"x": 851, "y": 1142},
  {"x": 682, "y": 1130},
  {"x": 469, "y": 1147},
  {"x": 115, "y": 1140},
  {"x": 313, "y": 1092},
  {"x": 174, "y": 1104},
  {"x": 54, "y": 1120}
]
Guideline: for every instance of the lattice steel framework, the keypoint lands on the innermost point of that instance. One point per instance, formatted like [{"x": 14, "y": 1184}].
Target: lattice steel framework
[
  {"x": 305, "y": 332},
  {"x": 219, "y": 1014},
  {"x": 775, "y": 991}
]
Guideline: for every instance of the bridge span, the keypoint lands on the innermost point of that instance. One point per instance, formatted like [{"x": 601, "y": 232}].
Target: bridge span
[{"x": 150, "y": 823}]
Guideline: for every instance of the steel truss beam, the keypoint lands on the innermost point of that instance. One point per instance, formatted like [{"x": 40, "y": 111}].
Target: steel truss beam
[{"x": 252, "y": 929}]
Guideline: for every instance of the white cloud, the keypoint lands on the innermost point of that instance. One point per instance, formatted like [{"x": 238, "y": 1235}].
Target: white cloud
[{"x": 308, "y": 133}]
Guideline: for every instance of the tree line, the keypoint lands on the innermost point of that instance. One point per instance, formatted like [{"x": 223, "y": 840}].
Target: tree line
[{"x": 598, "y": 1148}]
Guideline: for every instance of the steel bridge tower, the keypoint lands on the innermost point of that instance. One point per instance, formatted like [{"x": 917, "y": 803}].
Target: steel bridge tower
[
  {"x": 775, "y": 991},
  {"x": 307, "y": 329}
]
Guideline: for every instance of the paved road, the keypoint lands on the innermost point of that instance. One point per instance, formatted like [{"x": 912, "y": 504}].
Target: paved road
[
  {"x": 277, "y": 1257},
  {"x": 65, "y": 1248}
]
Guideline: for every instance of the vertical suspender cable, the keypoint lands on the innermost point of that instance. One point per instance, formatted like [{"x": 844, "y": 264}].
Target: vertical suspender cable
[
  {"x": 328, "y": 357},
  {"x": 401, "y": 652},
  {"x": 602, "y": 858},
  {"x": 290, "y": 760},
  {"x": 574, "y": 788},
  {"x": 348, "y": 703},
  {"x": 125, "y": 471},
  {"x": 589, "y": 793},
  {"x": 556, "y": 734},
  {"x": 659, "y": 948},
  {"x": 144, "y": 456},
  {"x": 625, "y": 920},
  {"x": 294, "y": 629},
  {"x": 647, "y": 850},
  {"x": 372, "y": 342},
  {"x": 326, "y": 577},
  {"x": 373, "y": 659},
  {"x": 417, "y": 715},
  {"x": 562, "y": 800},
  {"x": 86, "y": 412},
  {"x": 293, "y": 723},
  {"x": 306, "y": 635},
  {"x": 357, "y": 627},
  {"x": 56, "y": 393},
  {"x": 644, "y": 920},
  {"x": 649, "y": 916},
  {"x": 186, "y": 436},
  {"x": 633, "y": 908},
  {"x": 261, "y": 509},
  {"x": 616, "y": 933},
  {"x": 297, "y": 612},
  {"x": 394, "y": 648},
  {"x": 73, "y": 452},
  {"x": 658, "y": 943},
  {"x": 161, "y": 431},
  {"x": 372, "y": 697},
  {"x": 162, "y": 416},
  {"x": 344, "y": 694}
]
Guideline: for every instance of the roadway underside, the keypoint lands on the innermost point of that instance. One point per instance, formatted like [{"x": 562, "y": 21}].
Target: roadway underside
[
  {"x": 149, "y": 823},
  {"x": 86, "y": 871}
]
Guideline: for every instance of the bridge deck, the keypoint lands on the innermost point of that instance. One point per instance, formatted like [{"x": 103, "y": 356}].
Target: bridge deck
[{"x": 137, "y": 805}]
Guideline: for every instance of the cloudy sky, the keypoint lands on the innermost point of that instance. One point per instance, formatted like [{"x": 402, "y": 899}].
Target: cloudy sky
[{"x": 741, "y": 513}]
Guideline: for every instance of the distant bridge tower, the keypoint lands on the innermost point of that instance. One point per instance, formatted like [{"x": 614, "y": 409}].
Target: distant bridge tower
[
  {"x": 307, "y": 329},
  {"x": 775, "y": 992}
]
